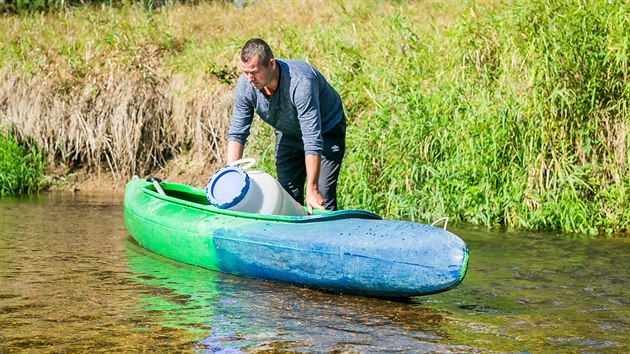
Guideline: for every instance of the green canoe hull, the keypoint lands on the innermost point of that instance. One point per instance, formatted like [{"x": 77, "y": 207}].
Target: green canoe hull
[{"x": 350, "y": 251}]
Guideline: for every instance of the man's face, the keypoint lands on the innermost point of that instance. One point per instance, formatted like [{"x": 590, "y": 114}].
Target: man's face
[{"x": 257, "y": 74}]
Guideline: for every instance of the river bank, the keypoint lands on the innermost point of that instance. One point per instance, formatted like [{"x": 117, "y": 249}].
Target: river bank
[
  {"x": 510, "y": 115},
  {"x": 181, "y": 171}
]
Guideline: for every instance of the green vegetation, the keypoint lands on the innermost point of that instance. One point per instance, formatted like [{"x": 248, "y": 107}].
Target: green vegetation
[
  {"x": 21, "y": 167},
  {"x": 495, "y": 113}
]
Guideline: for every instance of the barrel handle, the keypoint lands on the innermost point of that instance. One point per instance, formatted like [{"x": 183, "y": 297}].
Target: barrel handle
[
  {"x": 250, "y": 161},
  {"x": 445, "y": 219}
]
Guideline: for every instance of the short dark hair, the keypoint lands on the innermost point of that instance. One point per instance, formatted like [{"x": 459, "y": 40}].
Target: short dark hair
[{"x": 254, "y": 47}]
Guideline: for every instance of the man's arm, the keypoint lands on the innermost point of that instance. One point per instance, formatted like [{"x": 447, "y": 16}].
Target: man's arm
[
  {"x": 234, "y": 151},
  {"x": 241, "y": 121},
  {"x": 313, "y": 198}
]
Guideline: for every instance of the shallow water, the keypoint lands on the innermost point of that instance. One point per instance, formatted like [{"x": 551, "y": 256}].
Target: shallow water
[{"x": 72, "y": 280}]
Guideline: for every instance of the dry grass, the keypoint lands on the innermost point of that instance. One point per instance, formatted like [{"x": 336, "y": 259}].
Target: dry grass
[{"x": 127, "y": 122}]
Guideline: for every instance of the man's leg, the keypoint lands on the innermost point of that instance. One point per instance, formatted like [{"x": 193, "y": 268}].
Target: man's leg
[
  {"x": 290, "y": 166},
  {"x": 332, "y": 156}
]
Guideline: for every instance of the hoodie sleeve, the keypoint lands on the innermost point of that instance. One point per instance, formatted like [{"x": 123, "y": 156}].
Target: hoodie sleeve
[
  {"x": 242, "y": 112},
  {"x": 306, "y": 98}
]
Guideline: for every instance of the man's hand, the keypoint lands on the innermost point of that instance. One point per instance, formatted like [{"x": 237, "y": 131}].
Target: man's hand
[{"x": 313, "y": 199}]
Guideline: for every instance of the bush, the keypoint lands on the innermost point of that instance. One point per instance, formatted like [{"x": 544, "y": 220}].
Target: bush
[{"x": 21, "y": 167}]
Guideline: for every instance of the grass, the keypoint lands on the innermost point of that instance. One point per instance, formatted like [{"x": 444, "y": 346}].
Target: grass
[
  {"x": 497, "y": 113},
  {"x": 21, "y": 167}
]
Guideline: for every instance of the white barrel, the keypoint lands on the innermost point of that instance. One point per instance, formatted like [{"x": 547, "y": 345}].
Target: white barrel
[{"x": 252, "y": 191}]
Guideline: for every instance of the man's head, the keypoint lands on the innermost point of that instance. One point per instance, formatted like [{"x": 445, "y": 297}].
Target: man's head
[
  {"x": 256, "y": 47},
  {"x": 257, "y": 63}
]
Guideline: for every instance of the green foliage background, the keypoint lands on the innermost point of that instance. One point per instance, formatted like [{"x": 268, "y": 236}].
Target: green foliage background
[
  {"x": 21, "y": 167},
  {"x": 509, "y": 113},
  {"x": 513, "y": 116}
]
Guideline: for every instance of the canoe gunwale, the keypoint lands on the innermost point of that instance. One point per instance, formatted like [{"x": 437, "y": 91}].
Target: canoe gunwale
[{"x": 326, "y": 216}]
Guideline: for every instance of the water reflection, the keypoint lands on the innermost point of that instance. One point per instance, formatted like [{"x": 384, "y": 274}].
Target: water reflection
[
  {"x": 72, "y": 280},
  {"x": 541, "y": 292},
  {"x": 61, "y": 284},
  {"x": 247, "y": 314}
]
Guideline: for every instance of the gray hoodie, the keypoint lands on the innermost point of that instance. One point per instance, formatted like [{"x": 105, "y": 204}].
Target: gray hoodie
[{"x": 304, "y": 104}]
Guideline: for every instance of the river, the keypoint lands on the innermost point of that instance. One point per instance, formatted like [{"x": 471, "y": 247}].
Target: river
[{"x": 73, "y": 280}]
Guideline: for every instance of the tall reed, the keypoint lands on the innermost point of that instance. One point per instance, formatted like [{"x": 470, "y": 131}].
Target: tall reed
[{"x": 520, "y": 119}]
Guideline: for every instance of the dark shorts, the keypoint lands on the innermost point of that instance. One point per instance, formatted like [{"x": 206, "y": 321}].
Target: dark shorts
[{"x": 291, "y": 168}]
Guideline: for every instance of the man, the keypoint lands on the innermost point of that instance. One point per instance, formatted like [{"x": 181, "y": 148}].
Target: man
[{"x": 306, "y": 114}]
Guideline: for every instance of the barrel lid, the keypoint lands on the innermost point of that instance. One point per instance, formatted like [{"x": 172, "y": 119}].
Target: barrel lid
[{"x": 227, "y": 187}]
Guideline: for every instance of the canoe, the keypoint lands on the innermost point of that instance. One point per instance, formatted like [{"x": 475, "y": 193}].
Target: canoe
[{"x": 347, "y": 251}]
